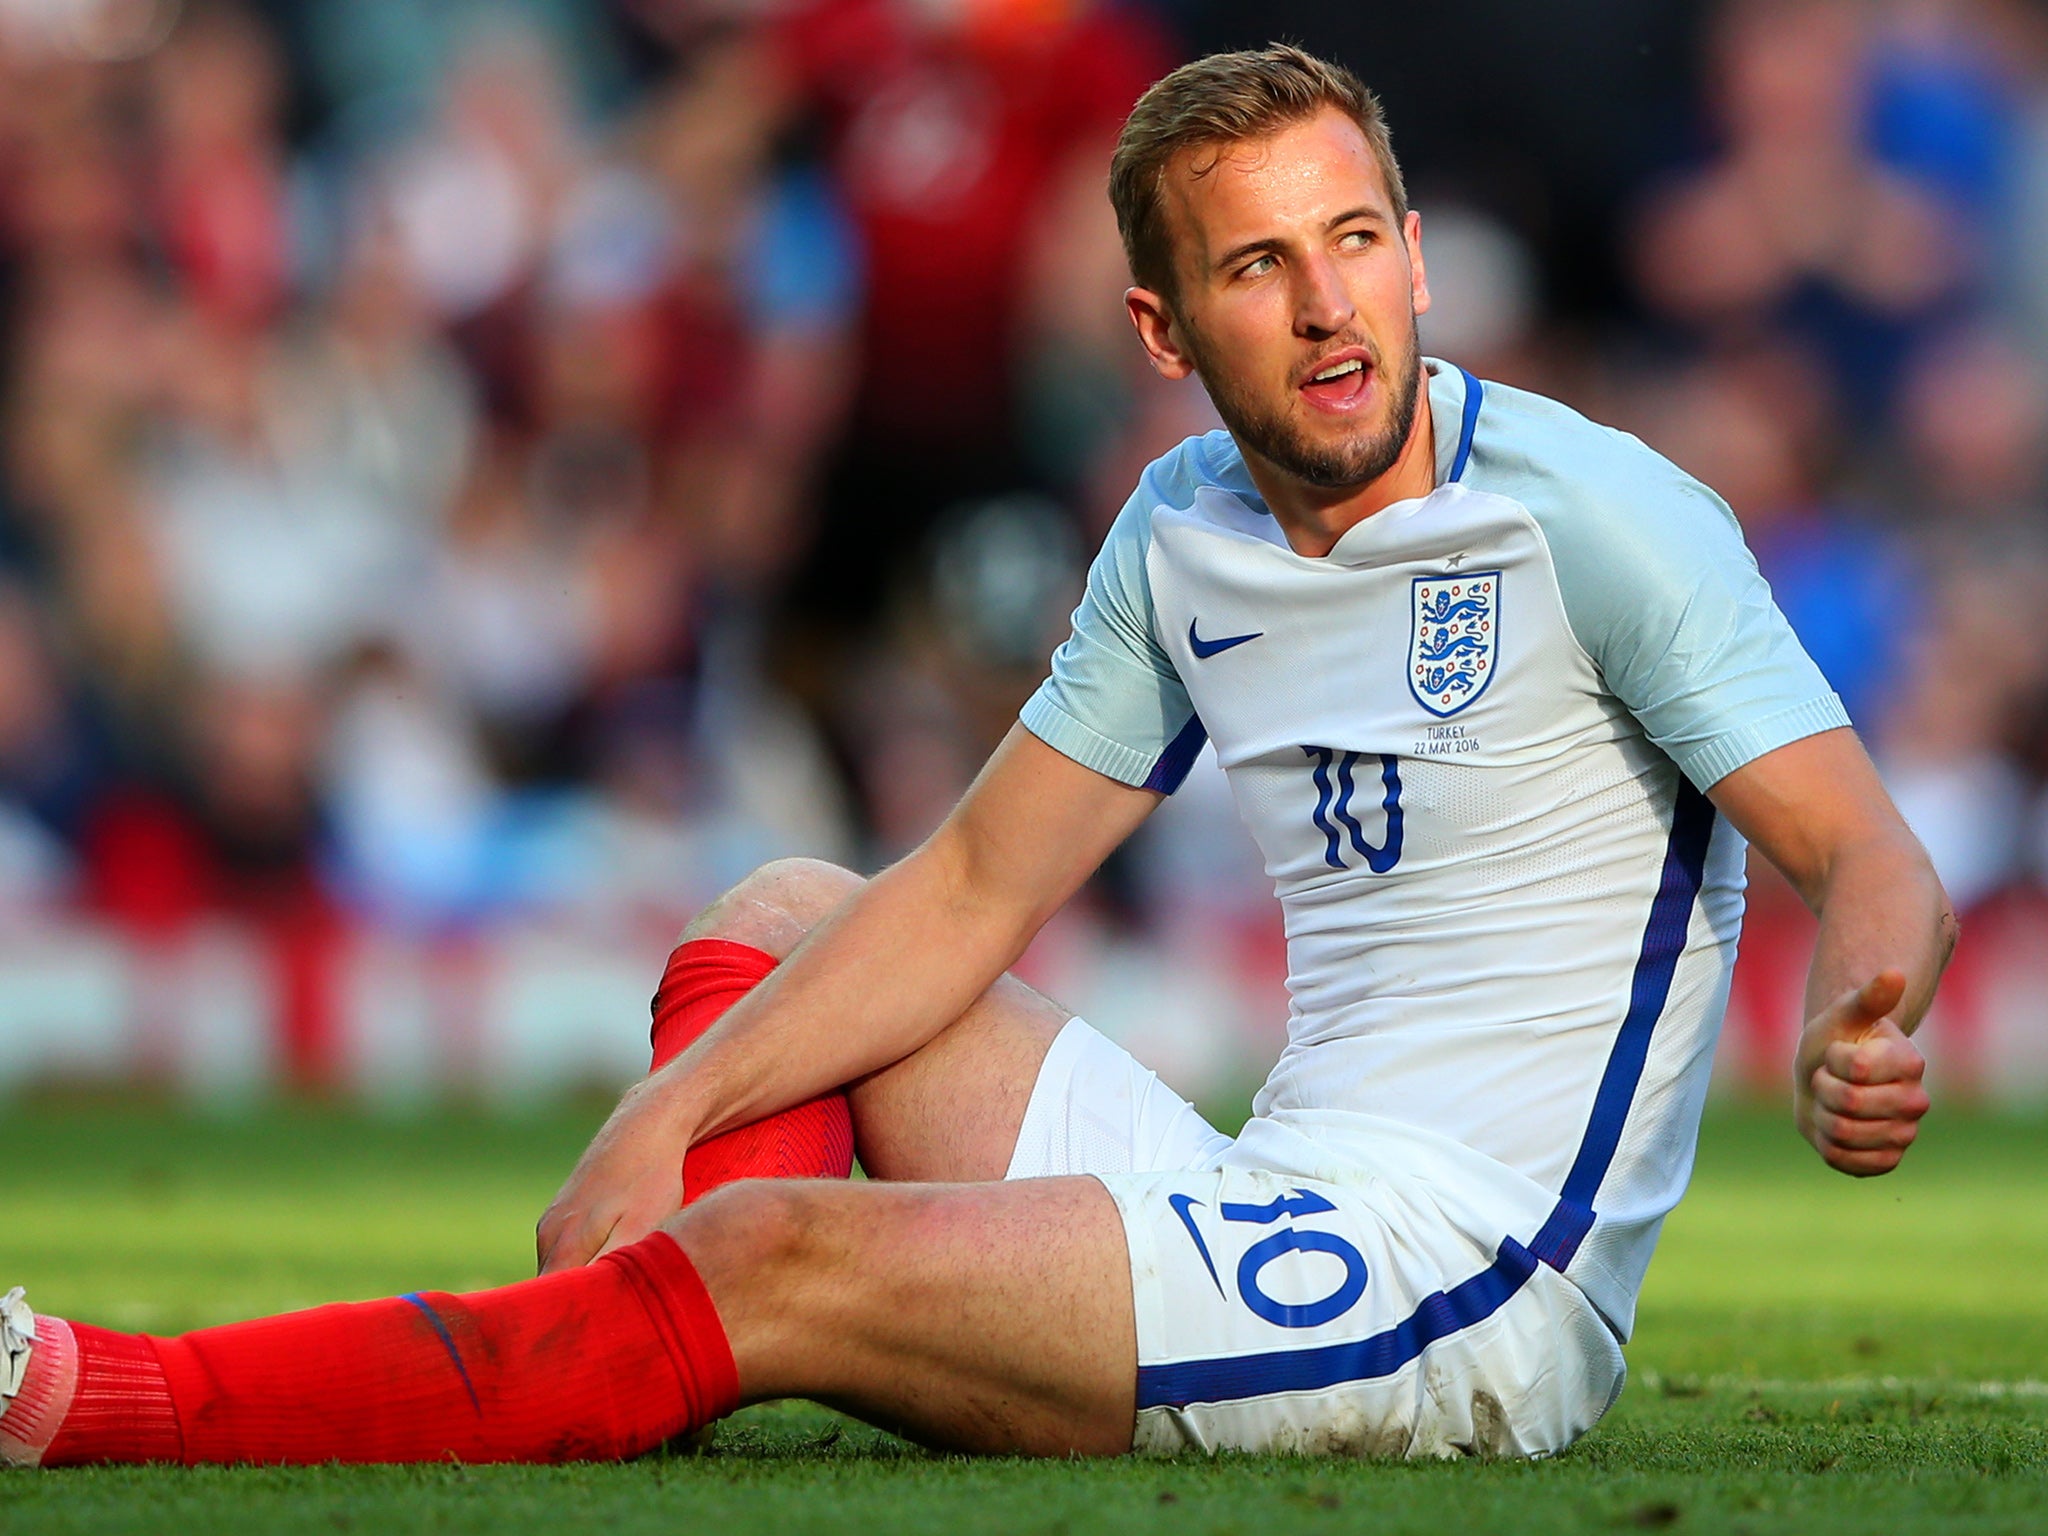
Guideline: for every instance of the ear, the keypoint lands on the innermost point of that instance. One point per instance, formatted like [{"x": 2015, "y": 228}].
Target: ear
[
  {"x": 1154, "y": 324},
  {"x": 1418, "y": 279}
]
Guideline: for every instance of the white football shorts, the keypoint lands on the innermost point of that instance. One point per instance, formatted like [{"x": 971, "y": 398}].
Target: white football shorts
[{"x": 1278, "y": 1313}]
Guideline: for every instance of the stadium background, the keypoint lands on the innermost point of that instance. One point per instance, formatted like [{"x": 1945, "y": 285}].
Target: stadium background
[{"x": 476, "y": 479}]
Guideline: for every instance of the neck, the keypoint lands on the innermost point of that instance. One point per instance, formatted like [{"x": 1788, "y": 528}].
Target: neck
[{"x": 1315, "y": 517}]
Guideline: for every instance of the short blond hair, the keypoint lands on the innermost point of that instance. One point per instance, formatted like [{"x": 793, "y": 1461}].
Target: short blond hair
[{"x": 1217, "y": 101}]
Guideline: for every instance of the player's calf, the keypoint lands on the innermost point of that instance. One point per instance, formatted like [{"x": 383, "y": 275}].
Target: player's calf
[{"x": 600, "y": 1362}]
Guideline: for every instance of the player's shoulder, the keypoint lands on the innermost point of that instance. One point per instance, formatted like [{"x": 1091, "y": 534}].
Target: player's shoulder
[
  {"x": 1201, "y": 481},
  {"x": 1567, "y": 468},
  {"x": 1208, "y": 461},
  {"x": 1579, "y": 478}
]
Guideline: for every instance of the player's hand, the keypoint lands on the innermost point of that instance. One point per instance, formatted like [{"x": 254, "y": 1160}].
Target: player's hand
[
  {"x": 1857, "y": 1076},
  {"x": 628, "y": 1181}
]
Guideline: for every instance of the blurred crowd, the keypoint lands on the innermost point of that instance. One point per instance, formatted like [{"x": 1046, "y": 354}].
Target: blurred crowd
[
  {"x": 502, "y": 460},
  {"x": 1847, "y": 314},
  {"x": 461, "y": 462}
]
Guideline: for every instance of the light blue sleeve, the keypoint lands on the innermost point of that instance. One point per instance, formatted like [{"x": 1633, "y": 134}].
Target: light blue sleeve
[
  {"x": 1665, "y": 597},
  {"x": 1114, "y": 702}
]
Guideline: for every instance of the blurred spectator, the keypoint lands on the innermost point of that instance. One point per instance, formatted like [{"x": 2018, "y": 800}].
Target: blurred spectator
[
  {"x": 255, "y": 755},
  {"x": 1976, "y": 482},
  {"x": 1795, "y": 228},
  {"x": 1974, "y": 430},
  {"x": 474, "y": 198},
  {"x": 1946, "y": 102},
  {"x": 412, "y": 796},
  {"x": 1483, "y": 294},
  {"x": 511, "y": 619},
  {"x": 1948, "y": 755},
  {"x": 277, "y": 553},
  {"x": 760, "y": 313},
  {"x": 52, "y": 766},
  {"x": 1758, "y": 427},
  {"x": 954, "y": 130},
  {"x": 926, "y": 709},
  {"x": 2023, "y": 272},
  {"x": 218, "y": 91},
  {"x": 1081, "y": 378}
]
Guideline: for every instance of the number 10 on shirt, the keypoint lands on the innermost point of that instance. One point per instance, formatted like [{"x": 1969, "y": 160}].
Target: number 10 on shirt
[{"x": 1335, "y": 775}]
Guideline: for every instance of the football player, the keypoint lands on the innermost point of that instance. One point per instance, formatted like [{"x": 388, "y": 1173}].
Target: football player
[{"x": 1501, "y": 697}]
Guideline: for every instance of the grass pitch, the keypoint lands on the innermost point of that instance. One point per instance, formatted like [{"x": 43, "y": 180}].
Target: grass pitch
[{"x": 1814, "y": 1354}]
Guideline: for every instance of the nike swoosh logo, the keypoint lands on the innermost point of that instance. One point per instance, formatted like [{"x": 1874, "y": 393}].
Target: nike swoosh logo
[
  {"x": 1180, "y": 1204},
  {"x": 1204, "y": 649}
]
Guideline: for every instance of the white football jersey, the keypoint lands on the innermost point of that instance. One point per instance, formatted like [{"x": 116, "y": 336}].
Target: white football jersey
[{"x": 1471, "y": 743}]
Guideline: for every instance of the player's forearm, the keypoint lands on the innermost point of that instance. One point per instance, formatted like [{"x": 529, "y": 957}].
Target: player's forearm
[
  {"x": 877, "y": 979},
  {"x": 1881, "y": 907}
]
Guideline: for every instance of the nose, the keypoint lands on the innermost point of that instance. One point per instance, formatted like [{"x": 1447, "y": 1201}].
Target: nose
[{"x": 1322, "y": 307}]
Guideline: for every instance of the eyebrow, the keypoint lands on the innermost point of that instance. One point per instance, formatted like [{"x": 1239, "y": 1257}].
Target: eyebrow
[{"x": 1259, "y": 247}]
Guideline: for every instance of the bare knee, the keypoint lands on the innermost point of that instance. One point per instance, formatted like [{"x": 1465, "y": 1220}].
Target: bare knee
[
  {"x": 774, "y": 907},
  {"x": 756, "y": 1228},
  {"x": 772, "y": 1257}
]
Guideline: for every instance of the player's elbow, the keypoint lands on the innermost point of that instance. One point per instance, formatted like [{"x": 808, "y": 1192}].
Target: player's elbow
[
  {"x": 1941, "y": 911},
  {"x": 1893, "y": 861},
  {"x": 1948, "y": 927},
  {"x": 1888, "y": 854}
]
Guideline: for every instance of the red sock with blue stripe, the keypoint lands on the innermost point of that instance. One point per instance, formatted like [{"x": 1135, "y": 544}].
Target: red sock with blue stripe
[
  {"x": 594, "y": 1363},
  {"x": 589, "y": 1364}
]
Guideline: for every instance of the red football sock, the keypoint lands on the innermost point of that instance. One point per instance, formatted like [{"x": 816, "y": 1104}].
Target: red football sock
[
  {"x": 810, "y": 1141},
  {"x": 590, "y": 1364},
  {"x": 598, "y": 1362}
]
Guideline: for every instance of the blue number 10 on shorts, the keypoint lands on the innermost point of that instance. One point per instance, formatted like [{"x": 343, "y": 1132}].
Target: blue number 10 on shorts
[{"x": 1296, "y": 1315}]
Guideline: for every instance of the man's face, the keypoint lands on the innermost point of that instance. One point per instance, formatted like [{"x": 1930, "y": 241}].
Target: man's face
[{"x": 1298, "y": 293}]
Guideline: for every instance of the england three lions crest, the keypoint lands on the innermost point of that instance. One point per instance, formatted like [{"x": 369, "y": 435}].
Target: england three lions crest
[{"x": 1454, "y": 641}]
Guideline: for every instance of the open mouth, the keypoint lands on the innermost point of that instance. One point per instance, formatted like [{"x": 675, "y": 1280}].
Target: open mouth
[{"x": 1340, "y": 382}]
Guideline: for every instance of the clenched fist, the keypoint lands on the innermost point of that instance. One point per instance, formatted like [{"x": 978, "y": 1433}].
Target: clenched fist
[{"x": 1857, "y": 1076}]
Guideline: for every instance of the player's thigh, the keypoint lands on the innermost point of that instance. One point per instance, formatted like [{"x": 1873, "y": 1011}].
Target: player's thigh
[
  {"x": 950, "y": 1112},
  {"x": 979, "y": 1316},
  {"x": 1290, "y": 1315},
  {"x": 1020, "y": 1089}
]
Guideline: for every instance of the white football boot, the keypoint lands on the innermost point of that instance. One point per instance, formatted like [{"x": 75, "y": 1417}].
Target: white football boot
[
  {"x": 17, "y": 1343},
  {"x": 17, "y": 1346}
]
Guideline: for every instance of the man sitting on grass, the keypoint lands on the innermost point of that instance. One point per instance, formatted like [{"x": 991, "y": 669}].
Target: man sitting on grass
[{"x": 1500, "y": 695}]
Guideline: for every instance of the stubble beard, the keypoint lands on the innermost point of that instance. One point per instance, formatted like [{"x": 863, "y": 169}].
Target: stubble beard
[{"x": 1274, "y": 437}]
